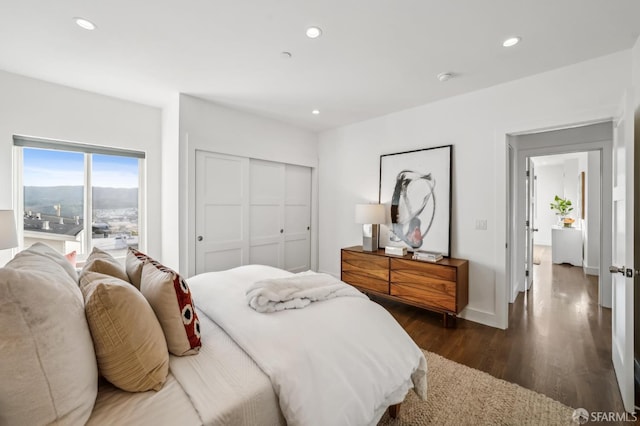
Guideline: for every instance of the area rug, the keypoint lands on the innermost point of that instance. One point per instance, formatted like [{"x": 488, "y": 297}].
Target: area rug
[{"x": 460, "y": 395}]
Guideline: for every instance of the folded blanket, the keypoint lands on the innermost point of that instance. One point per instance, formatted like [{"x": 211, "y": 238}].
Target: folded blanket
[{"x": 296, "y": 292}]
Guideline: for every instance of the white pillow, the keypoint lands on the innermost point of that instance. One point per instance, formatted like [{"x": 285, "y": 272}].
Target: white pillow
[{"x": 48, "y": 372}]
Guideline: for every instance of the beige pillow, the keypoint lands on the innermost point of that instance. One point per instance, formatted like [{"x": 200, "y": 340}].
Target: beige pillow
[
  {"x": 169, "y": 296},
  {"x": 129, "y": 343},
  {"x": 48, "y": 371},
  {"x": 37, "y": 251},
  {"x": 102, "y": 262},
  {"x": 135, "y": 262}
]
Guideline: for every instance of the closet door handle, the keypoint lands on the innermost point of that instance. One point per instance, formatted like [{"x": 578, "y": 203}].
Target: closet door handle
[
  {"x": 200, "y": 238},
  {"x": 282, "y": 231}
]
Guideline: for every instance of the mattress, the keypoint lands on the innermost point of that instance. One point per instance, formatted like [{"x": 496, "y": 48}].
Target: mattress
[
  {"x": 168, "y": 406},
  {"x": 219, "y": 386},
  {"x": 224, "y": 384}
]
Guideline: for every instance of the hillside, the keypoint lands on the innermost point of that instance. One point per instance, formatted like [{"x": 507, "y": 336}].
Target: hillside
[{"x": 41, "y": 199}]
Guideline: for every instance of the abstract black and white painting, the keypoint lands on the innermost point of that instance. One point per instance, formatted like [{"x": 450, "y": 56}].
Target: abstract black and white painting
[{"x": 416, "y": 188}]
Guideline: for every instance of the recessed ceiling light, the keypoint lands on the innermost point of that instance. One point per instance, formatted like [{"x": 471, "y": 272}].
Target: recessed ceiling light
[
  {"x": 444, "y": 76},
  {"x": 84, "y": 23},
  {"x": 315, "y": 112},
  {"x": 314, "y": 32},
  {"x": 511, "y": 41}
]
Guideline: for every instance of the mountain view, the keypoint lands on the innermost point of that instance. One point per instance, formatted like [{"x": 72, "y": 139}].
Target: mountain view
[{"x": 41, "y": 199}]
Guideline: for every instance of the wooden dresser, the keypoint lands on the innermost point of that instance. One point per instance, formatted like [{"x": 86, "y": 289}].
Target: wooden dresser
[{"x": 441, "y": 287}]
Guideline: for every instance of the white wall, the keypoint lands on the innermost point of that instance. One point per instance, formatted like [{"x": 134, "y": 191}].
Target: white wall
[
  {"x": 207, "y": 126},
  {"x": 592, "y": 214},
  {"x": 37, "y": 108},
  {"x": 170, "y": 183},
  {"x": 570, "y": 183},
  {"x": 550, "y": 183},
  {"x": 476, "y": 124}
]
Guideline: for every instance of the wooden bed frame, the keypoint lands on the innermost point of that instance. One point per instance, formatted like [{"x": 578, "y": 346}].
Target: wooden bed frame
[{"x": 394, "y": 410}]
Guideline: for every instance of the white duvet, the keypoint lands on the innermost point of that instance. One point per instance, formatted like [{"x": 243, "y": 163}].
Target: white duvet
[{"x": 341, "y": 361}]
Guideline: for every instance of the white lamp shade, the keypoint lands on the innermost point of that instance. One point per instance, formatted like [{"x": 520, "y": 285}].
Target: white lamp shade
[
  {"x": 8, "y": 236},
  {"x": 370, "y": 213}
]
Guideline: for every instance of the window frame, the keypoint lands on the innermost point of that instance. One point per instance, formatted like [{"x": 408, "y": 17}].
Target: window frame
[{"x": 20, "y": 142}]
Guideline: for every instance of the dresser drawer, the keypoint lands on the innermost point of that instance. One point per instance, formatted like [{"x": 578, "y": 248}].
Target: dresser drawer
[
  {"x": 366, "y": 265},
  {"x": 366, "y": 271},
  {"x": 441, "y": 296},
  {"x": 416, "y": 267},
  {"x": 365, "y": 282}
]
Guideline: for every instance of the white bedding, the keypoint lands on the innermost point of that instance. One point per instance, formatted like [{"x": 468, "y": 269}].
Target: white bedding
[
  {"x": 170, "y": 406},
  {"x": 219, "y": 386},
  {"x": 224, "y": 384},
  {"x": 341, "y": 361}
]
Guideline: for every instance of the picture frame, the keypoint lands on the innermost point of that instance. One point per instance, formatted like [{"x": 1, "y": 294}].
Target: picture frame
[{"x": 415, "y": 187}]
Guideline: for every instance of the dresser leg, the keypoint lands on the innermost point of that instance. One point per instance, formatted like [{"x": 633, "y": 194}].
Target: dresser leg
[{"x": 448, "y": 320}]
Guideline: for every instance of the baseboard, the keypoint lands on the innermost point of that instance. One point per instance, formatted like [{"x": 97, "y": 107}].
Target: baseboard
[
  {"x": 591, "y": 270},
  {"x": 321, "y": 271},
  {"x": 482, "y": 317}
]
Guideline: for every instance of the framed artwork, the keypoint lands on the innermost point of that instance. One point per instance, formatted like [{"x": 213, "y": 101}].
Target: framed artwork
[{"x": 415, "y": 187}]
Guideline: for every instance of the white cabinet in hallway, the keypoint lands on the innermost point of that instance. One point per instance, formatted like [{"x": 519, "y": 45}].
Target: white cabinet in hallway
[{"x": 566, "y": 245}]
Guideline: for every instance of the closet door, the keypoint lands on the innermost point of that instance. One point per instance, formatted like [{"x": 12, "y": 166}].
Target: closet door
[
  {"x": 297, "y": 218},
  {"x": 267, "y": 181},
  {"x": 222, "y": 211}
]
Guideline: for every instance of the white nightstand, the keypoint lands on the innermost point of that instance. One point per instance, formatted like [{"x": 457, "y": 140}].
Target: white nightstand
[{"x": 566, "y": 245}]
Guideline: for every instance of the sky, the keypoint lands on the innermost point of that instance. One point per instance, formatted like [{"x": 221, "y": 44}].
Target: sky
[{"x": 61, "y": 168}]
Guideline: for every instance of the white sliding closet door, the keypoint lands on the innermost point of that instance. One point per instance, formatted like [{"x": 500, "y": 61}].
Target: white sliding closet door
[
  {"x": 222, "y": 211},
  {"x": 297, "y": 218},
  {"x": 267, "y": 204},
  {"x": 280, "y": 215},
  {"x": 251, "y": 211}
]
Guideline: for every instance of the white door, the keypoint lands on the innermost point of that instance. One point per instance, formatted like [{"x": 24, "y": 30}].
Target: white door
[
  {"x": 266, "y": 212},
  {"x": 530, "y": 228},
  {"x": 297, "y": 218},
  {"x": 280, "y": 215},
  {"x": 222, "y": 211},
  {"x": 623, "y": 254}
]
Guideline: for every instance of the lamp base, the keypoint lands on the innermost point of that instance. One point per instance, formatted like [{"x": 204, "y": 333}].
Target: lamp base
[{"x": 370, "y": 237}]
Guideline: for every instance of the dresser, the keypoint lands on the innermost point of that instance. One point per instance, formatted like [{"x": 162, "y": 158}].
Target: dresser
[{"x": 441, "y": 287}]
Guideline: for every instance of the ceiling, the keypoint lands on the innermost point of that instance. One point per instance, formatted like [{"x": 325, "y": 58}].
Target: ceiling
[{"x": 373, "y": 58}]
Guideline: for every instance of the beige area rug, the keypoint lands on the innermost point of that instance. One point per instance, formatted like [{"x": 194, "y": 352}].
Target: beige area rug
[{"x": 460, "y": 395}]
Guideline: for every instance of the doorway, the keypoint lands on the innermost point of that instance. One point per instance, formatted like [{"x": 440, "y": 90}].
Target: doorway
[
  {"x": 588, "y": 138},
  {"x": 565, "y": 211}
]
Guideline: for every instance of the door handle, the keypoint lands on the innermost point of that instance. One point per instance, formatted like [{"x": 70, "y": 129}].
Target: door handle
[
  {"x": 200, "y": 238},
  {"x": 535, "y": 229},
  {"x": 616, "y": 269}
]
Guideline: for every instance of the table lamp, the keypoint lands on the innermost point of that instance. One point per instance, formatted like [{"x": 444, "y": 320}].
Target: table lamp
[
  {"x": 370, "y": 216},
  {"x": 8, "y": 235}
]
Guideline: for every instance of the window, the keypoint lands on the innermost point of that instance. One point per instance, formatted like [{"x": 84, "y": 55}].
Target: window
[{"x": 62, "y": 184}]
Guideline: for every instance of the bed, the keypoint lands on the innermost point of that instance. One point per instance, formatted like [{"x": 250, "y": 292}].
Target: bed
[{"x": 323, "y": 364}]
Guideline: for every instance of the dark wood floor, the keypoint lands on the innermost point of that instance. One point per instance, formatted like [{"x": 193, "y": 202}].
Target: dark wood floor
[{"x": 558, "y": 342}]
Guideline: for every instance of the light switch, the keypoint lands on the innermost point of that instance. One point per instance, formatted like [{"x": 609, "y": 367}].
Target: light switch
[{"x": 481, "y": 224}]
